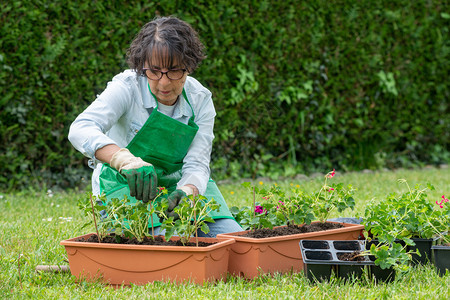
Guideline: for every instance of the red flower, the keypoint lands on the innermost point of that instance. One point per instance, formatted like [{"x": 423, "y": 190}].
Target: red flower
[{"x": 331, "y": 174}]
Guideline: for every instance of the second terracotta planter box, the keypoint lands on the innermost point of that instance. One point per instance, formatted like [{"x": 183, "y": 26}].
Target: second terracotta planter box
[{"x": 250, "y": 257}]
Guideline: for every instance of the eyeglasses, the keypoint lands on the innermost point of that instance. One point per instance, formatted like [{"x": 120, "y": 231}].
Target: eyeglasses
[{"x": 174, "y": 74}]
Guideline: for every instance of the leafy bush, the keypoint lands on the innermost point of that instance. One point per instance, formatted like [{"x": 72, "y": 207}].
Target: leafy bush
[{"x": 298, "y": 85}]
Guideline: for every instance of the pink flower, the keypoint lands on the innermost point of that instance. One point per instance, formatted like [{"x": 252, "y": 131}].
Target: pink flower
[
  {"x": 259, "y": 209},
  {"x": 442, "y": 201},
  {"x": 265, "y": 198},
  {"x": 331, "y": 189},
  {"x": 331, "y": 174},
  {"x": 281, "y": 202}
]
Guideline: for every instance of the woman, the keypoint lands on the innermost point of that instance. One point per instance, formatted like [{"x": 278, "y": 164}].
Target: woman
[{"x": 153, "y": 124}]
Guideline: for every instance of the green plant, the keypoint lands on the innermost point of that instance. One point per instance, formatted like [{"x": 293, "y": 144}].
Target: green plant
[
  {"x": 275, "y": 207},
  {"x": 405, "y": 216},
  {"x": 330, "y": 197},
  {"x": 441, "y": 224},
  {"x": 259, "y": 215},
  {"x": 93, "y": 207},
  {"x": 402, "y": 217},
  {"x": 192, "y": 214},
  {"x": 393, "y": 255},
  {"x": 125, "y": 216}
]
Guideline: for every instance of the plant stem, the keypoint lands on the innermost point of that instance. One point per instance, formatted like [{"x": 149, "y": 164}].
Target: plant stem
[
  {"x": 95, "y": 220},
  {"x": 151, "y": 218},
  {"x": 195, "y": 227},
  {"x": 254, "y": 204}
]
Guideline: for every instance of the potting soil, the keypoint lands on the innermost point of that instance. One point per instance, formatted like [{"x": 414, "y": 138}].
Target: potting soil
[
  {"x": 157, "y": 241},
  {"x": 291, "y": 229}
]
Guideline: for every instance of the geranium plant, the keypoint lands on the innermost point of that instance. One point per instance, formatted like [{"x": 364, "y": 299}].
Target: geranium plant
[
  {"x": 441, "y": 224},
  {"x": 193, "y": 215},
  {"x": 133, "y": 219},
  {"x": 399, "y": 218},
  {"x": 260, "y": 213},
  {"x": 391, "y": 256},
  {"x": 93, "y": 207},
  {"x": 331, "y": 197},
  {"x": 125, "y": 217},
  {"x": 405, "y": 216},
  {"x": 275, "y": 207}
]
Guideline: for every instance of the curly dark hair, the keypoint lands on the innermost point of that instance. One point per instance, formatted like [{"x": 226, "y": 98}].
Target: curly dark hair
[{"x": 170, "y": 38}]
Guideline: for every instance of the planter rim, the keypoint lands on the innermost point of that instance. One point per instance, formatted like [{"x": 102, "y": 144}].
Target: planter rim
[
  {"x": 432, "y": 239},
  {"x": 218, "y": 243},
  {"x": 440, "y": 247},
  {"x": 237, "y": 235}
]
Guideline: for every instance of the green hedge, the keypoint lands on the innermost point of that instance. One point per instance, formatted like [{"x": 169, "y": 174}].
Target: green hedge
[{"x": 299, "y": 86}]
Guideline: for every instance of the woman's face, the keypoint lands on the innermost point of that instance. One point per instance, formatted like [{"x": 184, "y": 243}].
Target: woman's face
[{"x": 166, "y": 90}]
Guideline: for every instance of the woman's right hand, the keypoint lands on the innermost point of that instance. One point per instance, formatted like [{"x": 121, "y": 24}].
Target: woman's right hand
[{"x": 140, "y": 175}]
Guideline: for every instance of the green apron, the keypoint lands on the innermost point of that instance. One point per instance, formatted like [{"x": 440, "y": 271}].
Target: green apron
[{"x": 163, "y": 142}]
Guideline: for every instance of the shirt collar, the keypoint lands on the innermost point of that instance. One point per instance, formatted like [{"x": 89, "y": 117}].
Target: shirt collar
[{"x": 182, "y": 108}]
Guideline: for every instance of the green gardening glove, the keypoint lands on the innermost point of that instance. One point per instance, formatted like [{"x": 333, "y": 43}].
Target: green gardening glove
[
  {"x": 140, "y": 175},
  {"x": 174, "y": 199},
  {"x": 142, "y": 182}
]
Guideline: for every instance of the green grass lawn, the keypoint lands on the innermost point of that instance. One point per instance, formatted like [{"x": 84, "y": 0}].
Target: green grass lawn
[{"x": 32, "y": 223}]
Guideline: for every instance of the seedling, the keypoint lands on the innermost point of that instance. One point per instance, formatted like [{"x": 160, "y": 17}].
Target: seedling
[
  {"x": 122, "y": 216},
  {"x": 193, "y": 216}
]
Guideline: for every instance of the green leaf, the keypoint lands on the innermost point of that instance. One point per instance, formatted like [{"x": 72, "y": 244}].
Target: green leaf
[
  {"x": 205, "y": 228},
  {"x": 234, "y": 210}
]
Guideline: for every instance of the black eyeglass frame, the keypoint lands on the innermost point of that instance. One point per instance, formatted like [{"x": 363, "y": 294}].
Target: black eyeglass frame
[{"x": 163, "y": 73}]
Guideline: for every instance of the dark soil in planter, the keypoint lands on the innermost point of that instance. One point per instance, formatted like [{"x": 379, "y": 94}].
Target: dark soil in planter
[
  {"x": 350, "y": 256},
  {"x": 158, "y": 241},
  {"x": 291, "y": 229}
]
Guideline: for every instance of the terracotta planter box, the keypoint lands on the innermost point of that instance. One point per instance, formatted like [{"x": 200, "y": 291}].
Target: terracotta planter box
[
  {"x": 250, "y": 256},
  {"x": 140, "y": 264}
]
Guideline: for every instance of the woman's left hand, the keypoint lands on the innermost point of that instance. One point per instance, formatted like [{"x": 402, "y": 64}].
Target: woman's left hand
[{"x": 176, "y": 196}]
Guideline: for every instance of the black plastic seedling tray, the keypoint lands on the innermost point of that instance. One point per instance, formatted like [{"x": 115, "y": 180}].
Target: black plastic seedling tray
[{"x": 322, "y": 258}]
